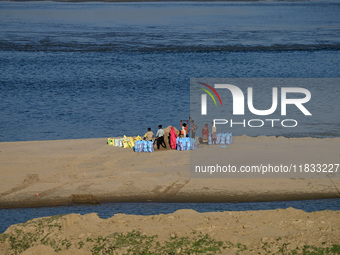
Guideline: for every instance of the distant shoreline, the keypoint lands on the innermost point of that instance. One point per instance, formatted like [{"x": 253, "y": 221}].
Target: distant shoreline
[
  {"x": 97, "y": 200},
  {"x": 92, "y": 199},
  {"x": 147, "y": 1}
]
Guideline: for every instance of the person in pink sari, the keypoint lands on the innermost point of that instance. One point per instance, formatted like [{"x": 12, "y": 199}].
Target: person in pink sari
[
  {"x": 205, "y": 133},
  {"x": 173, "y": 137}
]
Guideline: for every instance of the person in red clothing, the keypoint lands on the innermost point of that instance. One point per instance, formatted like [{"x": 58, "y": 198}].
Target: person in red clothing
[
  {"x": 173, "y": 137},
  {"x": 205, "y": 133}
]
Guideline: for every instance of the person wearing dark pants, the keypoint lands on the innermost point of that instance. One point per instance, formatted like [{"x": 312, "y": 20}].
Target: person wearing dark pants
[{"x": 160, "y": 137}]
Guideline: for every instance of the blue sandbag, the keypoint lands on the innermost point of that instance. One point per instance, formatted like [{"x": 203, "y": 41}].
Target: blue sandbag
[
  {"x": 150, "y": 146},
  {"x": 229, "y": 138},
  {"x": 188, "y": 143},
  {"x": 144, "y": 146},
  {"x": 218, "y": 138},
  {"x": 138, "y": 146},
  {"x": 223, "y": 138},
  {"x": 180, "y": 145},
  {"x": 193, "y": 144},
  {"x": 184, "y": 144}
]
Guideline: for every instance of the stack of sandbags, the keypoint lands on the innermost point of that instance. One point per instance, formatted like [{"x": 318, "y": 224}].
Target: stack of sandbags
[
  {"x": 118, "y": 142},
  {"x": 144, "y": 146},
  {"x": 125, "y": 142},
  {"x": 222, "y": 138},
  {"x": 186, "y": 143}
]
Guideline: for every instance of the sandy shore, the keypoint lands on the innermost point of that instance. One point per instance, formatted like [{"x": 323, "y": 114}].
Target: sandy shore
[
  {"x": 90, "y": 171},
  {"x": 288, "y": 231}
]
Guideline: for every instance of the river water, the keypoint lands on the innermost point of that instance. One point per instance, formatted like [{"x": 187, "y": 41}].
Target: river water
[
  {"x": 83, "y": 70},
  {"x": 13, "y": 216}
]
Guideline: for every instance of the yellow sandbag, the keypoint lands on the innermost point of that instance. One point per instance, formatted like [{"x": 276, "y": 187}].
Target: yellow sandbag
[
  {"x": 131, "y": 143},
  {"x": 110, "y": 141},
  {"x": 125, "y": 144},
  {"x": 137, "y": 138},
  {"x": 128, "y": 142}
]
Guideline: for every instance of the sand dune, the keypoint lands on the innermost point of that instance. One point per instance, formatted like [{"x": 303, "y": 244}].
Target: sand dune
[{"x": 182, "y": 232}]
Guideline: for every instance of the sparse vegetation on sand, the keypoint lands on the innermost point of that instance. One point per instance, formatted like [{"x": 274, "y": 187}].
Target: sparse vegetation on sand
[{"x": 51, "y": 232}]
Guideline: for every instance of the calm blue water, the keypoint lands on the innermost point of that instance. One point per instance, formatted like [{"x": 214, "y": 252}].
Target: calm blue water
[
  {"x": 83, "y": 70},
  {"x": 13, "y": 216}
]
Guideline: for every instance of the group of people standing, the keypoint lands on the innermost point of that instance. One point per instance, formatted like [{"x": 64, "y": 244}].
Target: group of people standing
[
  {"x": 159, "y": 136},
  {"x": 205, "y": 133},
  {"x": 184, "y": 132},
  {"x": 185, "y": 126}
]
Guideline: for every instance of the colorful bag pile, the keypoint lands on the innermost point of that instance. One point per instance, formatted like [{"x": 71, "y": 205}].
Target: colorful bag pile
[
  {"x": 186, "y": 143},
  {"x": 118, "y": 142},
  {"x": 222, "y": 138},
  {"x": 126, "y": 142},
  {"x": 143, "y": 146}
]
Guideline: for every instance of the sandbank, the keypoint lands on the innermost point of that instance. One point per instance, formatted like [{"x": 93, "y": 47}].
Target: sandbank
[{"x": 60, "y": 172}]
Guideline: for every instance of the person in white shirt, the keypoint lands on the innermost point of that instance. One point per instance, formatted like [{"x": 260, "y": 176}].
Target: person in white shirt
[
  {"x": 213, "y": 133},
  {"x": 160, "y": 137}
]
